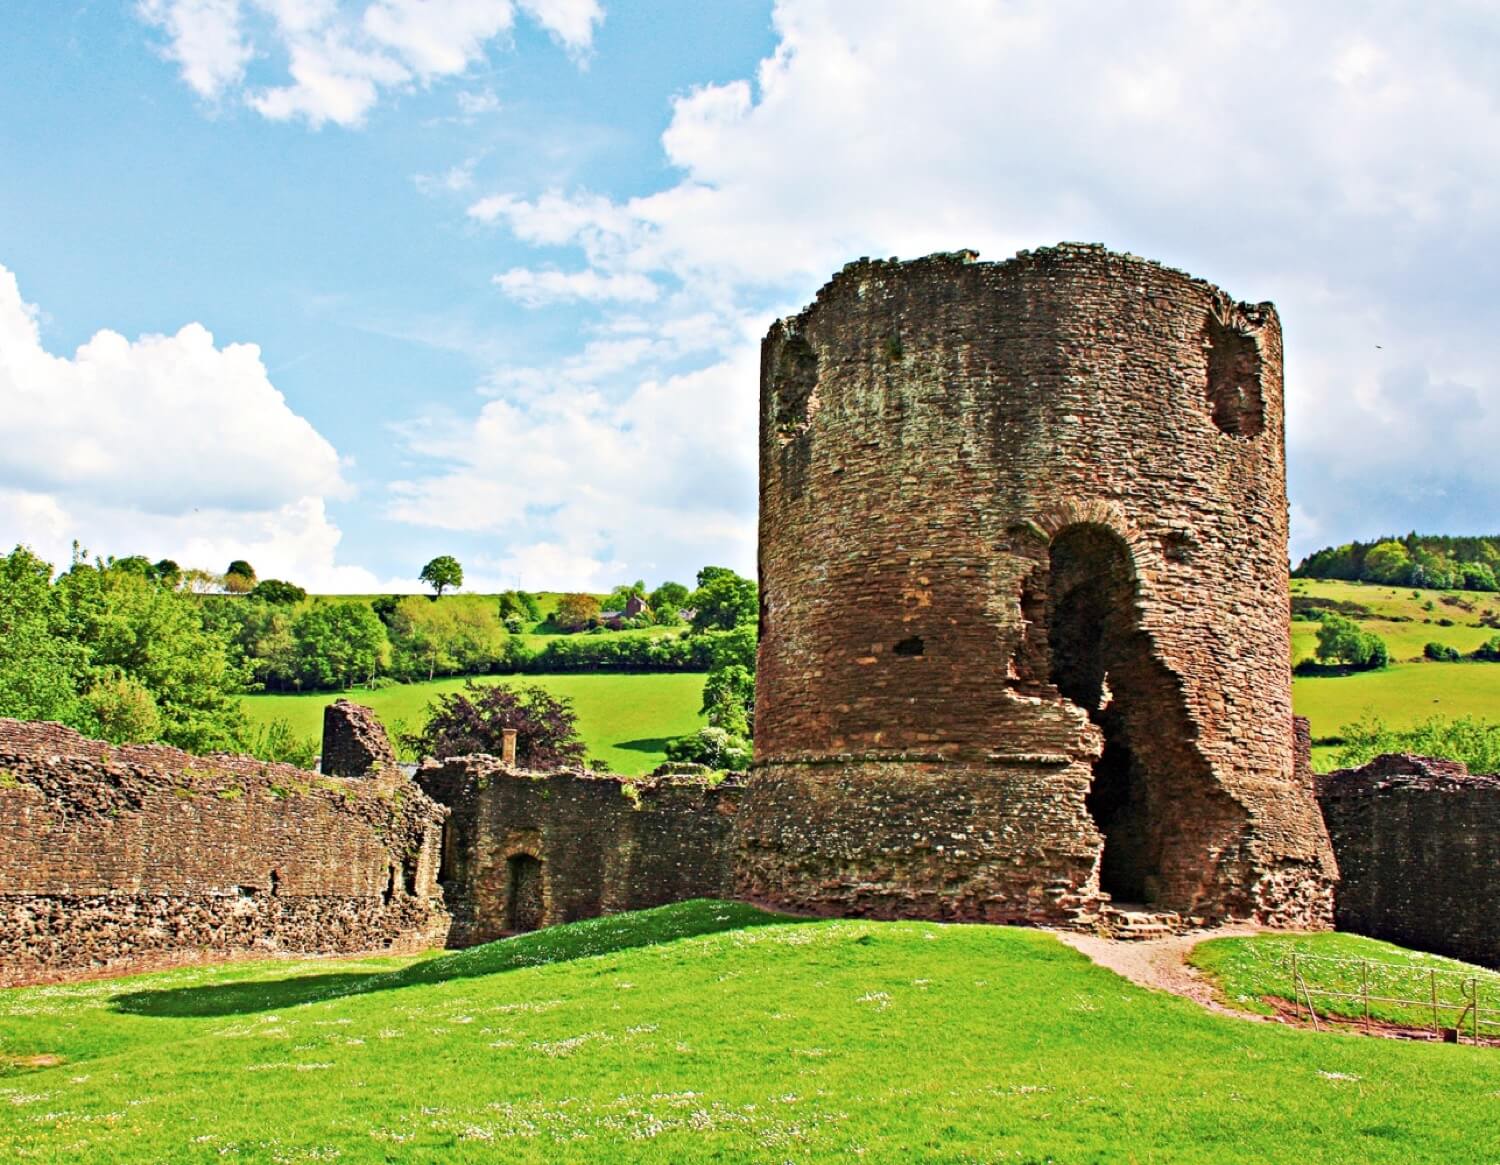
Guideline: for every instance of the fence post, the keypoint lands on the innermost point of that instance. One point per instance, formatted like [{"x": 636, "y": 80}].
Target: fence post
[
  {"x": 1364, "y": 990},
  {"x": 1432, "y": 979}
]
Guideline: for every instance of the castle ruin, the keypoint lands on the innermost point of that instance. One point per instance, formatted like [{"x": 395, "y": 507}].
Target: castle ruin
[{"x": 1024, "y": 644}]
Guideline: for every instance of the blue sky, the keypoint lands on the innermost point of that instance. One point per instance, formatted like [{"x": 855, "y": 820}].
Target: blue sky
[{"x": 338, "y": 285}]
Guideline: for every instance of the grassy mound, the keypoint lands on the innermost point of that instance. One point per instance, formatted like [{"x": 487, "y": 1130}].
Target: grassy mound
[
  {"x": 1247, "y": 970},
  {"x": 710, "y": 1032}
]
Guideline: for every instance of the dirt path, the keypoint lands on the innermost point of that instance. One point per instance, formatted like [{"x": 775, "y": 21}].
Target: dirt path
[{"x": 1161, "y": 963}]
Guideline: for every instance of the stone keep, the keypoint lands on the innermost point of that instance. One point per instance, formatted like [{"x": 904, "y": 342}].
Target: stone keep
[{"x": 1024, "y": 639}]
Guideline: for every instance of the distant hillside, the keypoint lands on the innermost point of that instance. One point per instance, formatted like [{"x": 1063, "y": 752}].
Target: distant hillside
[{"x": 1440, "y": 561}]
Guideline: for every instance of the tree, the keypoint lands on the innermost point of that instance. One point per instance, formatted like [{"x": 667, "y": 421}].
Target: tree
[
  {"x": 576, "y": 611},
  {"x": 239, "y": 578},
  {"x": 1341, "y": 640},
  {"x": 338, "y": 643},
  {"x": 620, "y": 597},
  {"x": 474, "y": 720},
  {"x": 128, "y": 626},
  {"x": 40, "y": 661},
  {"x": 729, "y": 699},
  {"x": 273, "y": 590},
  {"x": 724, "y": 600},
  {"x": 717, "y": 748},
  {"x": 441, "y": 573},
  {"x": 667, "y": 602},
  {"x": 122, "y": 710},
  {"x": 1387, "y": 562},
  {"x": 167, "y": 573}
]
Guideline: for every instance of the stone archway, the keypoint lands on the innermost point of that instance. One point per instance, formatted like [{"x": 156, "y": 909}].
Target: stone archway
[{"x": 1153, "y": 795}]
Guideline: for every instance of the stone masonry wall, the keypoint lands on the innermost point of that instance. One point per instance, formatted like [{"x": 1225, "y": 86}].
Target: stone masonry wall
[
  {"x": 1024, "y": 646},
  {"x": 525, "y": 850},
  {"x": 1418, "y": 847},
  {"x": 115, "y": 857}
]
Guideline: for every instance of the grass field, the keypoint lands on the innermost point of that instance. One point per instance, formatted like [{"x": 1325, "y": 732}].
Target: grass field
[
  {"x": 625, "y": 719},
  {"x": 1418, "y": 625},
  {"x": 707, "y": 1032},
  {"x": 1399, "y": 696},
  {"x": 1246, "y": 970}
]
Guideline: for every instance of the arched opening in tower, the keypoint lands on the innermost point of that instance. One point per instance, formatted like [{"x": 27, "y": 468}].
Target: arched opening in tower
[
  {"x": 1152, "y": 795},
  {"x": 524, "y": 906}
]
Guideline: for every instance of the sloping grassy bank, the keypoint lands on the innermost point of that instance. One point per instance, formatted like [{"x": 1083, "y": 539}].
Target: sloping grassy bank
[{"x": 703, "y": 1032}]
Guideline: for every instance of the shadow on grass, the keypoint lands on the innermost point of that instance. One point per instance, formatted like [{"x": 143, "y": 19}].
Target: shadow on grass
[
  {"x": 647, "y": 744},
  {"x": 243, "y": 998},
  {"x": 559, "y": 944}
]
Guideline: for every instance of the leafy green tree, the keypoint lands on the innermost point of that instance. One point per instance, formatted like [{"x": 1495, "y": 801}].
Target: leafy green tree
[
  {"x": 1342, "y": 640},
  {"x": 521, "y": 606},
  {"x": 724, "y": 600},
  {"x": 620, "y": 597},
  {"x": 274, "y": 590},
  {"x": 339, "y": 643},
  {"x": 667, "y": 602},
  {"x": 128, "y": 625},
  {"x": 718, "y": 748},
  {"x": 40, "y": 661},
  {"x": 239, "y": 578},
  {"x": 729, "y": 699},
  {"x": 442, "y": 573},
  {"x": 135, "y": 564},
  {"x": 475, "y": 719},
  {"x": 121, "y": 710},
  {"x": 167, "y": 573},
  {"x": 1387, "y": 562}
]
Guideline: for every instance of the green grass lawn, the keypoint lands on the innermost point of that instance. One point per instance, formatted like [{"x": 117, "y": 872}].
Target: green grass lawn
[
  {"x": 1247, "y": 970},
  {"x": 625, "y": 719},
  {"x": 710, "y": 1032}
]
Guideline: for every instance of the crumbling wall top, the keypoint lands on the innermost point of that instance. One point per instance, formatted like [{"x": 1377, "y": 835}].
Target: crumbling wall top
[{"x": 355, "y": 743}]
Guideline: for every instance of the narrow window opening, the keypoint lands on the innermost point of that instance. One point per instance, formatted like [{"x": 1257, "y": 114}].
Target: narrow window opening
[
  {"x": 275, "y": 884},
  {"x": 794, "y": 379},
  {"x": 390, "y": 885},
  {"x": 1234, "y": 372}
]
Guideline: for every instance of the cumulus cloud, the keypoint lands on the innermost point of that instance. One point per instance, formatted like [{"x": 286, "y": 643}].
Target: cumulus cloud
[
  {"x": 1332, "y": 157},
  {"x": 164, "y": 445},
  {"x": 582, "y": 489},
  {"x": 340, "y": 57}
]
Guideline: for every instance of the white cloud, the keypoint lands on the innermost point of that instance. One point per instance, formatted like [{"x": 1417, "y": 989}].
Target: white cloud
[
  {"x": 167, "y": 446},
  {"x": 478, "y": 103},
  {"x": 205, "y": 39},
  {"x": 583, "y": 490},
  {"x": 1337, "y": 163},
  {"x": 571, "y": 22},
  {"x": 342, "y": 56},
  {"x": 534, "y": 288}
]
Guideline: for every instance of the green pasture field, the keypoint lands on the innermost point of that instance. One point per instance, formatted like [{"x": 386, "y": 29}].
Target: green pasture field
[
  {"x": 626, "y": 719},
  {"x": 1399, "y": 696},
  {"x": 708, "y": 1031},
  {"x": 1404, "y": 639}
]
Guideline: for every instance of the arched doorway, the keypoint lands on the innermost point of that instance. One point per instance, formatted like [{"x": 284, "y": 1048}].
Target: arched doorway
[
  {"x": 1152, "y": 795},
  {"x": 524, "y": 904}
]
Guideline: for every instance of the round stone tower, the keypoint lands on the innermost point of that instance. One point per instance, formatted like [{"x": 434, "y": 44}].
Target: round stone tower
[{"x": 1024, "y": 635}]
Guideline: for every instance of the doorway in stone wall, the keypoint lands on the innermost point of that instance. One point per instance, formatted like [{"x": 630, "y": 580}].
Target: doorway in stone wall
[
  {"x": 523, "y": 904},
  {"x": 1149, "y": 774}
]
